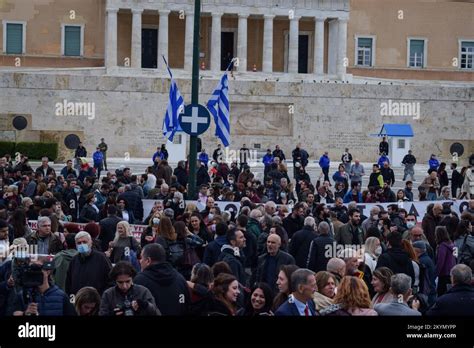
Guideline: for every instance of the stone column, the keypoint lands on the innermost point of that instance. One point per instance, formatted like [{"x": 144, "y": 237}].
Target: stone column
[
  {"x": 293, "y": 46},
  {"x": 111, "y": 43},
  {"x": 163, "y": 39},
  {"x": 319, "y": 46},
  {"x": 137, "y": 38},
  {"x": 342, "y": 47},
  {"x": 268, "y": 43},
  {"x": 216, "y": 42},
  {"x": 242, "y": 42},
  {"x": 188, "y": 42}
]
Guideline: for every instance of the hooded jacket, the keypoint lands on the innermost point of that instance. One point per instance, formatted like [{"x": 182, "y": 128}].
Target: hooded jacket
[
  {"x": 235, "y": 259},
  {"x": 213, "y": 250},
  {"x": 168, "y": 287},
  {"x": 398, "y": 261},
  {"x": 113, "y": 297},
  {"x": 61, "y": 263}
]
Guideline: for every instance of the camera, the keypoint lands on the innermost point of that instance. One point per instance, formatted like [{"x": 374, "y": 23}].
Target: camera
[
  {"x": 125, "y": 307},
  {"x": 28, "y": 276}
]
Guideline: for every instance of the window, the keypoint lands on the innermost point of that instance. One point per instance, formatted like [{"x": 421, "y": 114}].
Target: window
[
  {"x": 467, "y": 54},
  {"x": 14, "y": 37},
  {"x": 417, "y": 53},
  {"x": 72, "y": 40},
  {"x": 401, "y": 143},
  {"x": 365, "y": 51}
]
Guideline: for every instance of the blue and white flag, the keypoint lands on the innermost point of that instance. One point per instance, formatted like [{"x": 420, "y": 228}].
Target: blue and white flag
[
  {"x": 175, "y": 107},
  {"x": 218, "y": 106}
]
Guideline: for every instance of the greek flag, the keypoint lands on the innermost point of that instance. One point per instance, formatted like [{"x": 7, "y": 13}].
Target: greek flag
[
  {"x": 218, "y": 106},
  {"x": 175, "y": 107}
]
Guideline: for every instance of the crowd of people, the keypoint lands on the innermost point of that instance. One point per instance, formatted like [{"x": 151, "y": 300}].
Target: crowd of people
[{"x": 294, "y": 248}]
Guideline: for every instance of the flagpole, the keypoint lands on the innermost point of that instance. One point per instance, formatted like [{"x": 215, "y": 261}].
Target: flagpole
[{"x": 194, "y": 101}]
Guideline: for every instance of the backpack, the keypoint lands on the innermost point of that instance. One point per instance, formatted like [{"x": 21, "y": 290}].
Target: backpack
[
  {"x": 175, "y": 252},
  {"x": 466, "y": 254}
]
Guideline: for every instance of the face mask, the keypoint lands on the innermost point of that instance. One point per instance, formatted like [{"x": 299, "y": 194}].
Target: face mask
[
  {"x": 378, "y": 251},
  {"x": 76, "y": 190},
  {"x": 231, "y": 181},
  {"x": 83, "y": 248},
  {"x": 213, "y": 228},
  {"x": 380, "y": 227},
  {"x": 210, "y": 216},
  {"x": 156, "y": 221},
  {"x": 411, "y": 224},
  {"x": 375, "y": 217}
]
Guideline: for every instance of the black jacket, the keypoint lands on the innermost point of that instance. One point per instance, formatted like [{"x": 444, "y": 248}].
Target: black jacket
[
  {"x": 458, "y": 301},
  {"x": 318, "y": 258},
  {"x": 292, "y": 225},
  {"x": 282, "y": 258},
  {"x": 202, "y": 177},
  {"x": 409, "y": 159},
  {"x": 113, "y": 297},
  {"x": 383, "y": 147},
  {"x": 108, "y": 227},
  {"x": 388, "y": 175},
  {"x": 134, "y": 202},
  {"x": 235, "y": 262},
  {"x": 92, "y": 270},
  {"x": 299, "y": 245},
  {"x": 167, "y": 286},
  {"x": 181, "y": 176},
  {"x": 398, "y": 261},
  {"x": 88, "y": 214}
]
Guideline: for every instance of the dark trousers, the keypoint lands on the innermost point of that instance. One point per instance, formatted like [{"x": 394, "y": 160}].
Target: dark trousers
[
  {"x": 105, "y": 161},
  {"x": 326, "y": 174},
  {"x": 454, "y": 190}
]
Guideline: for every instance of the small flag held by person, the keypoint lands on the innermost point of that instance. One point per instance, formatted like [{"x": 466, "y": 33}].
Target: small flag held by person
[
  {"x": 218, "y": 106},
  {"x": 175, "y": 107}
]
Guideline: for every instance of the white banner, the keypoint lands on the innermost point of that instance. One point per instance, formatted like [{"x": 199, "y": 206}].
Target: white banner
[{"x": 417, "y": 208}]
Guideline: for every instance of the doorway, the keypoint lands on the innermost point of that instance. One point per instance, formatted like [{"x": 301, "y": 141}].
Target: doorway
[{"x": 149, "y": 48}]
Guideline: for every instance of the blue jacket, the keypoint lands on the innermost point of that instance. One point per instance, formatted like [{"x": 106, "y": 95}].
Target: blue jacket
[
  {"x": 290, "y": 310},
  {"x": 213, "y": 250},
  {"x": 434, "y": 163},
  {"x": 348, "y": 197},
  {"x": 54, "y": 302},
  {"x": 382, "y": 159},
  {"x": 267, "y": 159},
  {"x": 98, "y": 158},
  {"x": 324, "y": 161},
  {"x": 159, "y": 154},
  {"x": 204, "y": 158},
  {"x": 457, "y": 301}
]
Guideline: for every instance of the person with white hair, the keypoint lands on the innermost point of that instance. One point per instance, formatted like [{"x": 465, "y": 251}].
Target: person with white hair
[
  {"x": 270, "y": 208},
  {"x": 400, "y": 287},
  {"x": 46, "y": 241},
  {"x": 352, "y": 259},
  {"x": 299, "y": 244},
  {"x": 459, "y": 300},
  {"x": 88, "y": 268}
]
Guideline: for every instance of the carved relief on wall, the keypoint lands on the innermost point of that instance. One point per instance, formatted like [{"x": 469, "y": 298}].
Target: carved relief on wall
[{"x": 261, "y": 119}]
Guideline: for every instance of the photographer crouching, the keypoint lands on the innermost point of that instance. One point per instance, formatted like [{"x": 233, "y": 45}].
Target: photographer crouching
[
  {"x": 38, "y": 295},
  {"x": 126, "y": 298}
]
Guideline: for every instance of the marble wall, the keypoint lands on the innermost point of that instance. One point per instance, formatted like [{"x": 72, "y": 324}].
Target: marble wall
[{"x": 322, "y": 116}]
